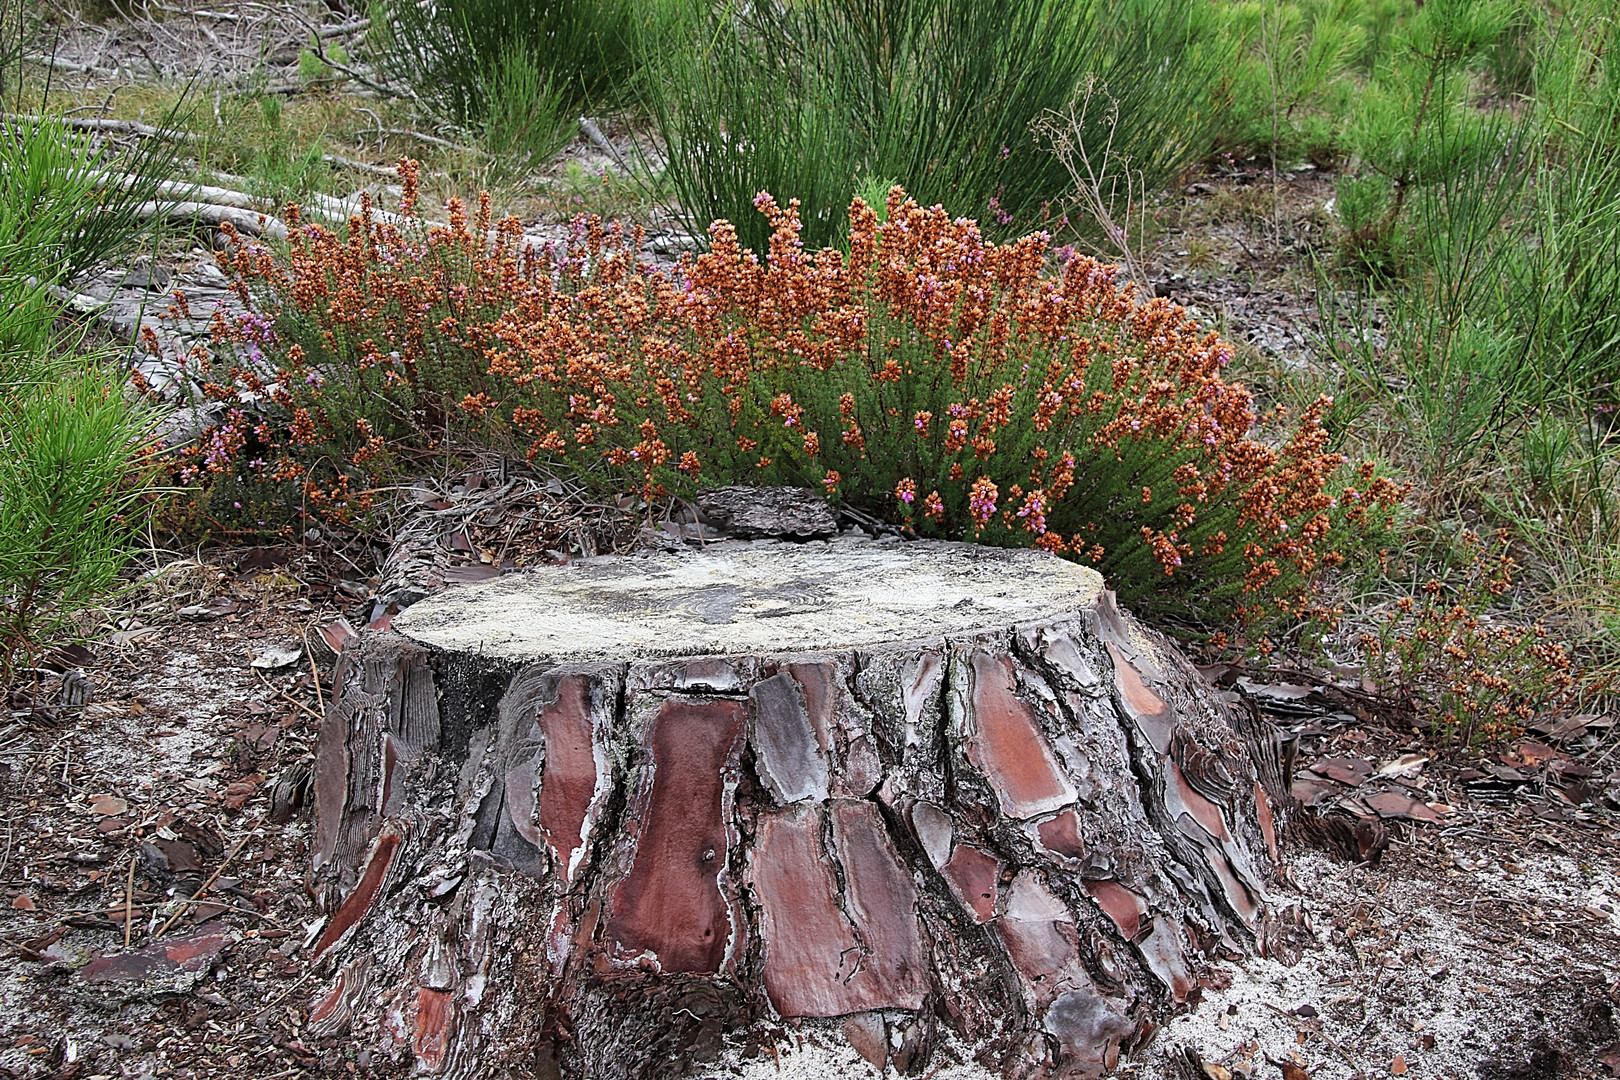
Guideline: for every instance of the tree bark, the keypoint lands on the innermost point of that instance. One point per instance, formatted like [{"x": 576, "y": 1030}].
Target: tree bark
[{"x": 614, "y": 819}]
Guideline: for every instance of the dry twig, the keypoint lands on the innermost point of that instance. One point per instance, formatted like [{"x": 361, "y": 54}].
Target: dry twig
[
  {"x": 129, "y": 900},
  {"x": 1102, "y": 177},
  {"x": 181, "y": 910}
]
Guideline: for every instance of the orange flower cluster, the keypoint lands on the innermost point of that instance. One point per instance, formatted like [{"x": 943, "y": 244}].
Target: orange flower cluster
[{"x": 944, "y": 381}]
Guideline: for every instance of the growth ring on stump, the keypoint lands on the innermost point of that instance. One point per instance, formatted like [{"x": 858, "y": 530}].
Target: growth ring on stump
[{"x": 609, "y": 819}]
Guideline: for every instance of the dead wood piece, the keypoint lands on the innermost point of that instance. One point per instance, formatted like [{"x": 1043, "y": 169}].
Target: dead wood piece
[
  {"x": 186, "y": 213},
  {"x": 623, "y": 813},
  {"x": 58, "y": 64},
  {"x": 203, "y": 193},
  {"x": 753, "y": 512},
  {"x": 103, "y": 126},
  {"x": 360, "y": 166},
  {"x": 600, "y": 141}
]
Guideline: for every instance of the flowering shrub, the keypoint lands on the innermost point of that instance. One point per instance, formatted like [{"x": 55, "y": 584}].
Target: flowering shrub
[
  {"x": 929, "y": 375},
  {"x": 1482, "y": 678}
]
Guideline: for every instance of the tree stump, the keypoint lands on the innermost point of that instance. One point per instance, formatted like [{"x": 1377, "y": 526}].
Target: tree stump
[{"x": 613, "y": 818}]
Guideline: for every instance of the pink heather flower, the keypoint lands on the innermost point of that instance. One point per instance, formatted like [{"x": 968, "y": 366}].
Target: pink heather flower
[
  {"x": 1034, "y": 511},
  {"x": 982, "y": 500}
]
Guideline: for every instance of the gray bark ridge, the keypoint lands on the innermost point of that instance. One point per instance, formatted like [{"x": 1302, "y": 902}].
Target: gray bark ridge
[{"x": 1024, "y": 841}]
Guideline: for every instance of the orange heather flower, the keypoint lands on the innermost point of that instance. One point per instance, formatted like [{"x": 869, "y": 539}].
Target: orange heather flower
[{"x": 740, "y": 359}]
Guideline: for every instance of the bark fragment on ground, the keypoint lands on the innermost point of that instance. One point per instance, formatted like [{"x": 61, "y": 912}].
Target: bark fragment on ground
[{"x": 605, "y": 819}]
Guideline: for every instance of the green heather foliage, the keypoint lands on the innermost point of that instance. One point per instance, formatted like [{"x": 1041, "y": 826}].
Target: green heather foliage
[
  {"x": 73, "y": 483},
  {"x": 519, "y": 72},
  {"x": 1490, "y": 233},
  {"x": 810, "y": 100},
  {"x": 73, "y": 447}
]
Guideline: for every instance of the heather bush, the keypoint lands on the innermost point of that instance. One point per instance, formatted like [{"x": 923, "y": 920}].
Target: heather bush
[
  {"x": 1475, "y": 675},
  {"x": 929, "y": 375}
]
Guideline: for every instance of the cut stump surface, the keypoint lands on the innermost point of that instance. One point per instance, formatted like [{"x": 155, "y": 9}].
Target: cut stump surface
[{"x": 615, "y": 818}]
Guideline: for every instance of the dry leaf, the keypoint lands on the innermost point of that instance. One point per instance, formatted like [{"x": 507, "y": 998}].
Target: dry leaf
[
  {"x": 1404, "y": 767},
  {"x": 1217, "y": 1072},
  {"x": 24, "y": 902},
  {"x": 1398, "y": 1066},
  {"x": 277, "y": 656},
  {"x": 1346, "y": 770},
  {"x": 239, "y": 793},
  {"x": 1291, "y": 1071}
]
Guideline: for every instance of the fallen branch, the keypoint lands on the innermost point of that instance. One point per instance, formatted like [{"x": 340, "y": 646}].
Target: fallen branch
[
  {"x": 185, "y": 189},
  {"x": 434, "y": 140},
  {"x": 339, "y": 211},
  {"x": 23, "y": 950},
  {"x": 360, "y": 166},
  {"x": 314, "y": 672},
  {"x": 1325, "y": 1037},
  {"x": 199, "y": 13},
  {"x": 600, "y": 141},
  {"x": 343, "y": 28},
  {"x": 313, "y": 714},
  {"x": 129, "y": 900},
  {"x": 184, "y": 213},
  {"x": 103, "y": 127},
  {"x": 61, "y": 65}
]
